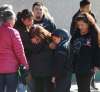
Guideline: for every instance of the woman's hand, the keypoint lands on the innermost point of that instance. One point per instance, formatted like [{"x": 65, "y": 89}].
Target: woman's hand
[
  {"x": 97, "y": 28},
  {"x": 90, "y": 18}
]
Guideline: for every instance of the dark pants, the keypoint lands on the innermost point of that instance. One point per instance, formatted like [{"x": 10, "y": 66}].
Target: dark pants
[
  {"x": 41, "y": 84},
  {"x": 83, "y": 82},
  {"x": 63, "y": 84},
  {"x": 8, "y": 82}
]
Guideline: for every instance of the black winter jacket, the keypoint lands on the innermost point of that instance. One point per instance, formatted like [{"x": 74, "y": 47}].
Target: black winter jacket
[
  {"x": 62, "y": 60},
  {"x": 25, "y": 37},
  {"x": 46, "y": 23},
  {"x": 41, "y": 60},
  {"x": 84, "y": 52}
]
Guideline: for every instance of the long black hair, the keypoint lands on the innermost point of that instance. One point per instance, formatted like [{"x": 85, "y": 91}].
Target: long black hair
[{"x": 83, "y": 17}]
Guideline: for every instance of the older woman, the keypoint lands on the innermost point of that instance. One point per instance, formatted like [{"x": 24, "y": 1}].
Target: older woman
[{"x": 11, "y": 52}]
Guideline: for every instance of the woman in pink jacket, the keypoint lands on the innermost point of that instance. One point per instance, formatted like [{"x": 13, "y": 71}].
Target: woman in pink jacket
[{"x": 11, "y": 52}]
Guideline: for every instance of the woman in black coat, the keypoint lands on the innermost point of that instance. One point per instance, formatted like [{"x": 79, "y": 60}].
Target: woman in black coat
[
  {"x": 41, "y": 60},
  {"x": 23, "y": 25},
  {"x": 85, "y": 46}
]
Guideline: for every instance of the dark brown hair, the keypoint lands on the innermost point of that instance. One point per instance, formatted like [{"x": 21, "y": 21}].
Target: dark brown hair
[
  {"x": 83, "y": 3},
  {"x": 37, "y": 4},
  {"x": 84, "y": 18},
  {"x": 24, "y": 14}
]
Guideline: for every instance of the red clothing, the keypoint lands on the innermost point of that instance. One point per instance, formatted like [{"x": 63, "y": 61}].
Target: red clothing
[{"x": 11, "y": 50}]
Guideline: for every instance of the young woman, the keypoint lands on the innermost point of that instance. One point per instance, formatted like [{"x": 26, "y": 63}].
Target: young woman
[
  {"x": 85, "y": 44},
  {"x": 85, "y": 6},
  {"x": 11, "y": 52},
  {"x": 23, "y": 25},
  {"x": 41, "y": 60}
]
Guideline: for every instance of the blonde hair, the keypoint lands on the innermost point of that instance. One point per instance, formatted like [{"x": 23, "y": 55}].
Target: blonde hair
[
  {"x": 47, "y": 14},
  {"x": 40, "y": 31}
]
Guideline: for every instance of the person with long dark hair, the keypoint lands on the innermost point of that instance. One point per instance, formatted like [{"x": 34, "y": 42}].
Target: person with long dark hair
[
  {"x": 41, "y": 60},
  {"x": 85, "y": 6},
  {"x": 23, "y": 25},
  {"x": 85, "y": 45}
]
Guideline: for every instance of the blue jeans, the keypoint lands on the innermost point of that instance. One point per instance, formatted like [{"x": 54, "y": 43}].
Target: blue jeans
[
  {"x": 24, "y": 88},
  {"x": 21, "y": 87},
  {"x": 8, "y": 82}
]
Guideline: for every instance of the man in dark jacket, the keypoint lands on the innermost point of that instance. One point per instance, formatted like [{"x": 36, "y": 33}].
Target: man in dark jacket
[
  {"x": 62, "y": 62},
  {"x": 85, "y": 6},
  {"x": 42, "y": 16}
]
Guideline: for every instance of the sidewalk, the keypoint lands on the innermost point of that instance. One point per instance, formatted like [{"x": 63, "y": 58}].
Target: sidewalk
[{"x": 74, "y": 88}]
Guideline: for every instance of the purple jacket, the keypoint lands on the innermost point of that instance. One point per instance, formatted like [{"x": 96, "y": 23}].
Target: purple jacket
[{"x": 11, "y": 50}]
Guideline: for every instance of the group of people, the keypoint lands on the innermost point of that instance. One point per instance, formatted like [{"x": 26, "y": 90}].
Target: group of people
[{"x": 37, "y": 56}]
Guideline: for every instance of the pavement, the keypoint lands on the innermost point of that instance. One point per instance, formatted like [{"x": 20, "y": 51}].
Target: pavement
[{"x": 74, "y": 88}]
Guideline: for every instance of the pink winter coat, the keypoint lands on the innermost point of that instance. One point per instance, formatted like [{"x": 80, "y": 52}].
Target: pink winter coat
[{"x": 11, "y": 50}]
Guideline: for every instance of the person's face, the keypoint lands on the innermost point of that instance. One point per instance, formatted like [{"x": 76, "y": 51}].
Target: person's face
[
  {"x": 28, "y": 22},
  {"x": 56, "y": 39},
  {"x": 38, "y": 12},
  {"x": 82, "y": 26},
  {"x": 36, "y": 40},
  {"x": 86, "y": 8}
]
